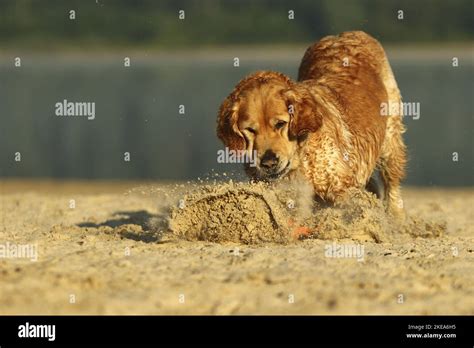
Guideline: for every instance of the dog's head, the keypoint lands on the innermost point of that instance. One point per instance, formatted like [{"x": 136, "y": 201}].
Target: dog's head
[{"x": 269, "y": 114}]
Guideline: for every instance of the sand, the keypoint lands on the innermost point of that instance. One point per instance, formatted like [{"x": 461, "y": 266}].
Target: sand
[
  {"x": 233, "y": 248},
  {"x": 255, "y": 213}
]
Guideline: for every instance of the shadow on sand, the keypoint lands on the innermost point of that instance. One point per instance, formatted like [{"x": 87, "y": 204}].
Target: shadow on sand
[{"x": 142, "y": 218}]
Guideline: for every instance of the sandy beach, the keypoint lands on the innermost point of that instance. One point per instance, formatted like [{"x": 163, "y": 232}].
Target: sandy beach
[{"x": 99, "y": 252}]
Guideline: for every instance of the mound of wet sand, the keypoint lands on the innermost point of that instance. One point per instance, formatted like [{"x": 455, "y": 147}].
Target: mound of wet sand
[{"x": 253, "y": 213}]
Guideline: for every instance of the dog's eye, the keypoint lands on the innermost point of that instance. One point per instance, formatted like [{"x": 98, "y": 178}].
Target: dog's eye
[
  {"x": 280, "y": 124},
  {"x": 251, "y": 130}
]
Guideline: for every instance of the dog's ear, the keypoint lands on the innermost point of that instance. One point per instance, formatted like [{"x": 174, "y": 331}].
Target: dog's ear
[
  {"x": 227, "y": 129},
  {"x": 305, "y": 115}
]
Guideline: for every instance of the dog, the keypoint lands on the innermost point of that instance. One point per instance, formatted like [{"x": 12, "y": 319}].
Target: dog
[{"x": 328, "y": 125}]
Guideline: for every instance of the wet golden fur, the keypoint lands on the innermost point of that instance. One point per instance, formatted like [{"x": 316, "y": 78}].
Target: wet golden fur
[{"x": 327, "y": 126}]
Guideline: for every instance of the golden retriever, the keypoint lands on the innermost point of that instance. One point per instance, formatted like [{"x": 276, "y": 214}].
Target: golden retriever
[{"x": 328, "y": 126}]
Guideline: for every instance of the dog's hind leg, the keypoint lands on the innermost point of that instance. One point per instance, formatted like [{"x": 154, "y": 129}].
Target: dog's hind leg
[{"x": 393, "y": 158}]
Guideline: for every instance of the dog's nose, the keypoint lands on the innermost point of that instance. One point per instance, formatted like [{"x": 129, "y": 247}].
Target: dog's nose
[{"x": 269, "y": 160}]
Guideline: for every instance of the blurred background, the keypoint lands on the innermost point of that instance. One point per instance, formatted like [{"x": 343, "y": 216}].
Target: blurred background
[{"x": 190, "y": 62}]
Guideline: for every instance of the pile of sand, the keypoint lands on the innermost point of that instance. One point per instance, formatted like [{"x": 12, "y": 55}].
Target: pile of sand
[
  {"x": 253, "y": 213},
  {"x": 231, "y": 213}
]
